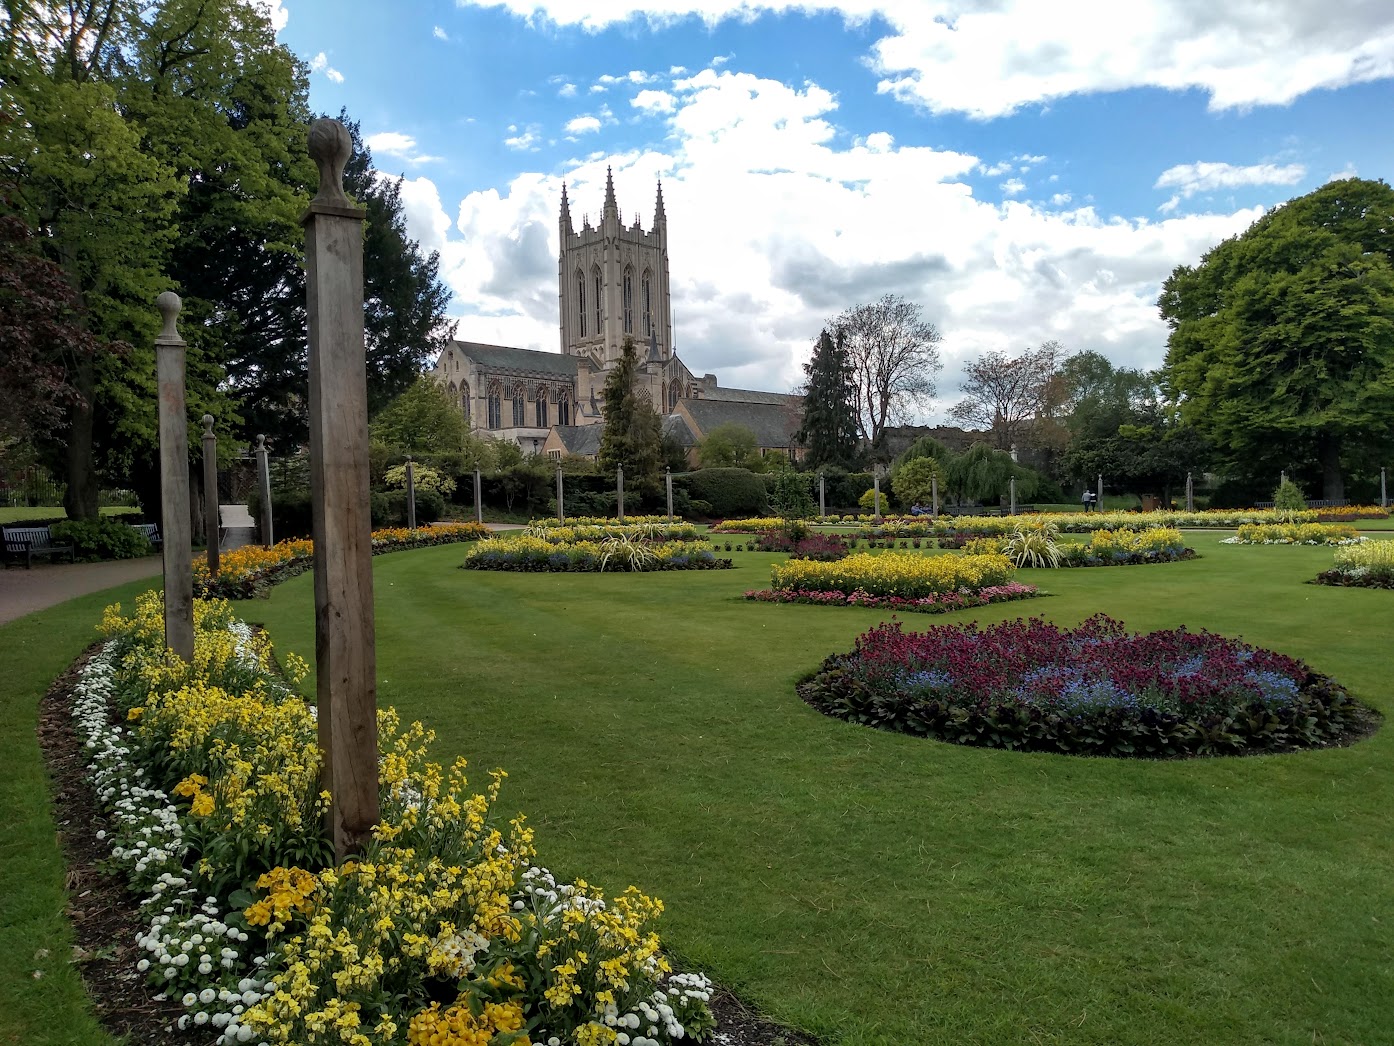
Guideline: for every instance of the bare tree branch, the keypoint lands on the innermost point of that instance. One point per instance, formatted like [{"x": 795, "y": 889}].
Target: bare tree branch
[{"x": 895, "y": 356}]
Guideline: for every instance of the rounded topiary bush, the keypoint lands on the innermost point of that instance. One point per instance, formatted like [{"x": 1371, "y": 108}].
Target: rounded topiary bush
[{"x": 1093, "y": 690}]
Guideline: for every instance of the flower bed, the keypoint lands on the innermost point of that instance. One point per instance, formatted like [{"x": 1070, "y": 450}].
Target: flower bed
[
  {"x": 826, "y": 548},
  {"x": 936, "y": 603},
  {"x": 906, "y": 576},
  {"x": 247, "y": 571},
  {"x": 526, "y": 553},
  {"x": 1079, "y": 522},
  {"x": 1294, "y": 534},
  {"x": 1105, "y": 548},
  {"x": 601, "y": 521},
  {"x": 1351, "y": 512},
  {"x": 594, "y": 532},
  {"x": 1369, "y": 564},
  {"x": 443, "y": 930},
  {"x": 758, "y": 525},
  {"x": 1094, "y": 690}
]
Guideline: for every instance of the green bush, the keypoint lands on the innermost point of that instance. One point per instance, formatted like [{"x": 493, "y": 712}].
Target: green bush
[
  {"x": 789, "y": 493},
  {"x": 100, "y": 539},
  {"x": 730, "y": 492},
  {"x": 291, "y": 513}
]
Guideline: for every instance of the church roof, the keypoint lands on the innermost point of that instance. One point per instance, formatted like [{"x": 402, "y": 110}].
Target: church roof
[
  {"x": 530, "y": 361},
  {"x": 716, "y": 393},
  {"x": 580, "y": 440},
  {"x": 774, "y": 424},
  {"x": 675, "y": 425}
]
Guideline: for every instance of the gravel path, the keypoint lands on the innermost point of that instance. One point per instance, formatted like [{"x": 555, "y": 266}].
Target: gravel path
[{"x": 48, "y": 584}]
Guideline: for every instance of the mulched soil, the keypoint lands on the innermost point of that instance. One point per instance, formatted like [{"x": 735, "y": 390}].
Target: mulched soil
[{"x": 106, "y": 925}]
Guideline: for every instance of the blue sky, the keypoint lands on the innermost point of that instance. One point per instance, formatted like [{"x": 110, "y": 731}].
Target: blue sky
[{"x": 1023, "y": 170}]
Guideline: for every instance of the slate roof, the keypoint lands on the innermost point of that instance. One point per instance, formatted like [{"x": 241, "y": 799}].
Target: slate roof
[
  {"x": 528, "y": 361},
  {"x": 719, "y": 394},
  {"x": 675, "y": 425},
  {"x": 774, "y": 424},
  {"x": 580, "y": 440}
]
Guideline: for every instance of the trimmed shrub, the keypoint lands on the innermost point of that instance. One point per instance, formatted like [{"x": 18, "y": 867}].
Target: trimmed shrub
[
  {"x": 730, "y": 492},
  {"x": 100, "y": 539}
]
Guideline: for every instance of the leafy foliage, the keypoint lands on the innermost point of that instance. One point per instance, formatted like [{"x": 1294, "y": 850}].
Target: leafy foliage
[
  {"x": 730, "y": 445},
  {"x": 101, "y": 538},
  {"x": 633, "y": 435},
  {"x": 829, "y": 428},
  {"x": 729, "y": 492},
  {"x": 1007, "y": 394}
]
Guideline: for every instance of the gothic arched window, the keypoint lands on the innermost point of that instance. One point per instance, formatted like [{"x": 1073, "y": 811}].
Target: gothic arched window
[
  {"x": 674, "y": 391},
  {"x": 495, "y": 405},
  {"x": 465, "y": 399},
  {"x": 540, "y": 408},
  {"x": 563, "y": 407},
  {"x": 520, "y": 417},
  {"x": 581, "y": 300},
  {"x": 599, "y": 321},
  {"x": 629, "y": 301},
  {"x": 646, "y": 293}
]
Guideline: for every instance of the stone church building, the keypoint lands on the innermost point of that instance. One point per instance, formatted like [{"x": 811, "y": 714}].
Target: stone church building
[{"x": 612, "y": 283}]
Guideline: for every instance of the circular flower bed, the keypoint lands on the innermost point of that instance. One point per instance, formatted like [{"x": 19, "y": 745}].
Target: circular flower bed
[{"x": 1093, "y": 690}]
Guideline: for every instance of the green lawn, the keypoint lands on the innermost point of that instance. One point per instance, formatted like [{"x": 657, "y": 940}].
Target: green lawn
[
  {"x": 867, "y": 887},
  {"x": 20, "y": 513}
]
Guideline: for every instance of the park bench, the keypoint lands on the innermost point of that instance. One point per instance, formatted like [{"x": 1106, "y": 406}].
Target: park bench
[
  {"x": 149, "y": 531},
  {"x": 28, "y": 542}
]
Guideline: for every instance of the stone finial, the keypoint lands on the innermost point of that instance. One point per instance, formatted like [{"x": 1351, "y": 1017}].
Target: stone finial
[
  {"x": 207, "y": 420},
  {"x": 169, "y": 305},
  {"x": 261, "y": 443},
  {"x": 330, "y": 148}
]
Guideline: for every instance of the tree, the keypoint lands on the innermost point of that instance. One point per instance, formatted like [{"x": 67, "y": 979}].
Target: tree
[
  {"x": 1006, "y": 395},
  {"x": 633, "y": 435},
  {"x": 914, "y": 481},
  {"x": 1281, "y": 348},
  {"x": 422, "y": 419},
  {"x": 726, "y": 446},
  {"x": 894, "y": 356},
  {"x": 829, "y": 429},
  {"x": 984, "y": 473}
]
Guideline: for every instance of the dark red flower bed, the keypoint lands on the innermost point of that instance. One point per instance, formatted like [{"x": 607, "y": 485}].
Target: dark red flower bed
[
  {"x": 1096, "y": 690},
  {"x": 825, "y": 548}
]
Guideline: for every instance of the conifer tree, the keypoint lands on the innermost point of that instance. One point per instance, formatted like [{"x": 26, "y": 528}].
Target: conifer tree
[
  {"x": 829, "y": 429},
  {"x": 633, "y": 434}
]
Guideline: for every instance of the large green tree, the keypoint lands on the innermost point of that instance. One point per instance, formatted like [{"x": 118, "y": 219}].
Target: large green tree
[
  {"x": 1282, "y": 338},
  {"x": 829, "y": 428},
  {"x": 633, "y": 434}
]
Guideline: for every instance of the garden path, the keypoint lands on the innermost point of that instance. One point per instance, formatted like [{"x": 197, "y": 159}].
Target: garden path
[{"x": 48, "y": 584}]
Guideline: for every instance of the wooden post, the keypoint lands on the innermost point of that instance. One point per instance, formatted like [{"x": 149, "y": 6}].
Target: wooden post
[
  {"x": 1011, "y": 485},
  {"x": 211, "y": 521},
  {"x": 264, "y": 485},
  {"x": 175, "y": 525},
  {"x": 668, "y": 486},
  {"x": 876, "y": 483},
  {"x": 561, "y": 504},
  {"x": 411, "y": 496},
  {"x": 1383, "y": 494},
  {"x": 619, "y": 490},
  {"x": 478, "y": 498},
  {"x": 822, "y": 497},
  {"x": 345, "y": 656},
  {"x": 1099, "y": 494},
  {"x": 1190, "y": 494},
  {"x": 934, "y": 496}
]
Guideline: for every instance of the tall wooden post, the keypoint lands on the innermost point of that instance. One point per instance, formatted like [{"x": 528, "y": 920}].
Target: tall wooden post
[
  {"x": 175, "y": 525},
  {"x": 212, "y": 524},
  {"x": 876, "y": 484},
  {"x": 934, "y": 497},
  {"x": 411, "y": 496},
  {"x": 1190, "y": 494},
  {"x": 1383, "y": 492},
  {"x": 345, "y": 656},
  {"x": 264, "y": 485},
  {"x": 1099, "y": 494},
  {"x": 619, "y": 490},
  {"x": 561, "y": 503},
  {"x": 668, "y": 486},
  {"x": 1011, "y": 486},
  {"x": 822, "y": 497},
  {"x": 478, "y": 497}
]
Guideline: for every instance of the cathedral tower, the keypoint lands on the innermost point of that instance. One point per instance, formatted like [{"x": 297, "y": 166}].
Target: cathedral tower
[{"x": 613, "y": 283}]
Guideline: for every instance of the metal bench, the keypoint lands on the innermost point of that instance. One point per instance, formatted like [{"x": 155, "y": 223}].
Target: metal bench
[
  {"x": 151, "y": 533},
  {"x": 28, "y": 542}
]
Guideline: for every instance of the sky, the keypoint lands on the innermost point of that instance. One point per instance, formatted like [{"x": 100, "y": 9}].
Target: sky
[{"x": 1023, "y": 170}]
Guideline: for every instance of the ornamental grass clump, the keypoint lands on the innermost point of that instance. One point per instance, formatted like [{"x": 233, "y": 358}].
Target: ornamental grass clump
[
  {"x": 1092, "y": 690},
  {"x": 1369, "y": 564},
  {"x": 442, "y": 930}
]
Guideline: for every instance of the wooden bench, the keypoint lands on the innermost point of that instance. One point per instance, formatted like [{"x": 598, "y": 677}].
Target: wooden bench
[
  {"x": 29, "y": 542},
  {"x": 149, "y": 531}
]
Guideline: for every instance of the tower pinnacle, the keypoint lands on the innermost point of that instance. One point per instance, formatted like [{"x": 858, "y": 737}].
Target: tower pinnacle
[
  {"x": 566, "y": 226},
  {"x": 659, "y": 214},
  {"x": 611, "y": 208}
]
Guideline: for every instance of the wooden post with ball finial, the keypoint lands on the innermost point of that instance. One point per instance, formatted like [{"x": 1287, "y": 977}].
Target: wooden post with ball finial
[
  {"x": 345, "y": 655},
  {"x": 175, "y": 524}
]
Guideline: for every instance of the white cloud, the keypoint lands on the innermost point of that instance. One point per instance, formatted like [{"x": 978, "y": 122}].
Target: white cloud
[
  {"x": 1013, "y": 187},
  {"x": 320, "y": 64},
  {"x": 440, "y": 34},
  {"x": 996, "y": 170},
  {"x": 583, "y": 125},
  {"x": 988, "y": 60},
  {"x": 777, "y": 222},
  {"x": 402, "y": 146},
  {"x": 1060, "y": 199},
  {"x": 1192, "y": 178},
  {"x": 566, "y": 90},
  {"x": 524, "y": 141},
  {"x": 653, "y": 101}
]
